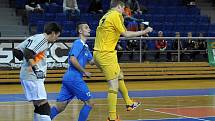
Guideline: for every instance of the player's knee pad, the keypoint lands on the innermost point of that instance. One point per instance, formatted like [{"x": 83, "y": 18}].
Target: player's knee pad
[
  {"x": 42, "y": 109},
  {"x": 113, "y": 85}
]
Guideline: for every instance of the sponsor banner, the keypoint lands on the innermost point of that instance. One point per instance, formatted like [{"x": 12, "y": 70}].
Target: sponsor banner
[{"x": 56, "y": 55}]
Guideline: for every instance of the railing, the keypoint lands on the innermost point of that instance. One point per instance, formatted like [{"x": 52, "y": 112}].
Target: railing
[{"x": 64, "y": 43}]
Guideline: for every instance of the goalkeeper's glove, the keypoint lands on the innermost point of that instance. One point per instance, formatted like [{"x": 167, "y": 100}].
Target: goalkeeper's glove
[{"x": 39, "y": 73}]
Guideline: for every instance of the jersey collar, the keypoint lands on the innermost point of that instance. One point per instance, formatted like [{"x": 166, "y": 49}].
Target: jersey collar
[{"x": 84, "y": 43}]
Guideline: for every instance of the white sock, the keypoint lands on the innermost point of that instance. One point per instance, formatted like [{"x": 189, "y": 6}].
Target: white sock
[
  {"x": 36, "y": 116},
  {"x": 45, "y": 118}
]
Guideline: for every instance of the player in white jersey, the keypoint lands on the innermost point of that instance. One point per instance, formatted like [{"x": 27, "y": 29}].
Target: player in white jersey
[{"x": 34, "y": 67}]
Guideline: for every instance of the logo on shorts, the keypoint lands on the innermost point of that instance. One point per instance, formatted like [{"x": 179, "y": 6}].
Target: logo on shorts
[
  {"x": 88, "y": 94},
  {"x": 86, "y": 54}
]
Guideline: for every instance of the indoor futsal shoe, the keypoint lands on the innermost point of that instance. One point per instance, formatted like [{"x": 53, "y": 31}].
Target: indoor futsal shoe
[
  {"x": 114, "y": 120},
  {"x": 133, "y": 106}
]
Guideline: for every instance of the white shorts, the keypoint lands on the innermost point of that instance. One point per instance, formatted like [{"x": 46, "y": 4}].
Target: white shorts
[{"x": 34, "y": 90}]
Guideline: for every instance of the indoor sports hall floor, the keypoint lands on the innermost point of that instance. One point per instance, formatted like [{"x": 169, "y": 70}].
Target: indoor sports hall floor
[{"x": 161, "y": 101}]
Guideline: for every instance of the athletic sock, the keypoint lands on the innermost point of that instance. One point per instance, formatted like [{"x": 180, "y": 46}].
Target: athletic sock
[
  {"x": 124, "y": 92},
  {"x": 84, "y": 113},
  {"x": 54, "y": 112},
  {"x": 36, "y": 116},
  {"x": 112, "y": 101}
]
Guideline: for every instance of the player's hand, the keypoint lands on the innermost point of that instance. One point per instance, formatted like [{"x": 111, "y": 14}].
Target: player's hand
[
  {"x": 87, "y": 74},
  {"x": 39, "y": 73},
  {"x": 148, "y": 29}
]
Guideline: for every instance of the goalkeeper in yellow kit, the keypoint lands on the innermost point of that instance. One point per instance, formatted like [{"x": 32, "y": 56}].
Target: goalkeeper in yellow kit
[{"x": 107, "y": 35}]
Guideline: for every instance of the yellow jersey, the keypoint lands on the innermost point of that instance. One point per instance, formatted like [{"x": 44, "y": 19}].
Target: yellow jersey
[{"x": 111, "y": 25}]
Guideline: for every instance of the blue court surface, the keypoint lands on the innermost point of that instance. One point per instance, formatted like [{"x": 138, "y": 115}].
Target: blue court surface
[
  {"x": 141, "y": 94},
  {"x": 136, "y": 94}
]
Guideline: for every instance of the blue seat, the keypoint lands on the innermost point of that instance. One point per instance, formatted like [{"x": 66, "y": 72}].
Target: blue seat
[
  {"x": 157, "y": 26},
  {"x": 152, "y": 10},
  {"x": 105, "y": 5},
  {"x": 54, "y": 8},
  {"x": 203, "y": 20},
  {"x": 202, "y": 27},
  {"x": 171, "y": 10},
  {"x": 170, "y": 18},
  {"x": 211, "y": 28},
  {"x": 20, "y": 4},
  {"x": 176, "y": 3},
  {"x": 181, "y": 11},
  {"x": 151, "y": 44},
  {"x": 92, "y": 33},
  {"x": 61, "y": 18},
  {"x": 168, "y": 27},
  {"x": 211, "y": 34},
  {"x": 190, "y": 28},
  {"x": 147, "y": 17},
  {"x": 66, "y": 34},
  {"x": 180, "y": 19},
  {"x": 68, "y": 25},
  {"x": 94, "y": 25},
  {"x": 154, "y": 33},
  {"x": 179, "y": 27},
  {"x": 168, "y": 33},
  {"x": 87, "y": 17},
  {"x": 40, "y": 26},
  {"x": 49, "y": 17},
  {"x": 193, "y": 11},
  {"x": 158, "y": 18},
  {"x": 33, "y": 18},
  {"x": 59, "y": 2}
]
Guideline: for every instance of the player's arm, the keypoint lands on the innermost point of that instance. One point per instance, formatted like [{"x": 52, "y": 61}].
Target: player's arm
[
  {"x": 117, "y": 21},
  {"x": 91, "y": 62},
  {"x": 76, "y": 64},
  {"x": 29, "y": 56},
  {"x": 137, "y": 33}
]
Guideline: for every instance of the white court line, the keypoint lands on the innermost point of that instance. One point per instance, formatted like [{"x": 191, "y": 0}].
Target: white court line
[
  {"x": 176, "y": 115},
  {"x": 208, "y": 106}
]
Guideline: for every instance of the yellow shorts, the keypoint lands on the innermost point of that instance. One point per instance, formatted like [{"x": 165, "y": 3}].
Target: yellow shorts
[{"x": 108, "y": 63}]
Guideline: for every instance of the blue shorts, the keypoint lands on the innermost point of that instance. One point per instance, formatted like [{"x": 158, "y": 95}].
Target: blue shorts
[{"x": 73, "y": 88}]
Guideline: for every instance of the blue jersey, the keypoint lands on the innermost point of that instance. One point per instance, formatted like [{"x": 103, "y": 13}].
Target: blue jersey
[{"x": 80, "y": 50}]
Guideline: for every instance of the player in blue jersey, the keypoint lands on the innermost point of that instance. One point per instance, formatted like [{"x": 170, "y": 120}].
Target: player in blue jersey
[
  {"x": 73, "y": 84},
  {"x": 34, "y": 67}
]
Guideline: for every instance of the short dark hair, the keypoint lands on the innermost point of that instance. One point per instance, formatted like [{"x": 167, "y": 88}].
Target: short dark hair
[
  {"x": 52, "y": 27},
  {"x": 114, "y": 3},
  {"x": 78, "y": 25}
]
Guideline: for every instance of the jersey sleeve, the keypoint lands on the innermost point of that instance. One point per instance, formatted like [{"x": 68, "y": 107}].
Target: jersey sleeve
[
  {"x": 118, "y": 23},
  {"x": 37, "y": 44},
  {"x": 76, "y": 49}
]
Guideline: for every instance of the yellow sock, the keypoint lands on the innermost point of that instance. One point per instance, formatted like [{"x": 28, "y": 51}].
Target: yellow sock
[
  {"x": 124, "y": 91},
  {"x": 112, "y": 101}
]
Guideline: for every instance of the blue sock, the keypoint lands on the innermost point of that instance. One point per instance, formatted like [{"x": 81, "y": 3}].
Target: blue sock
[
  {"x": 83, "y": 115},
  {"x": 54, "y": 112}
]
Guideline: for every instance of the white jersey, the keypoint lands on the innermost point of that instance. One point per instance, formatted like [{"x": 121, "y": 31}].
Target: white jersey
[{"x": 39, "y": 45}]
